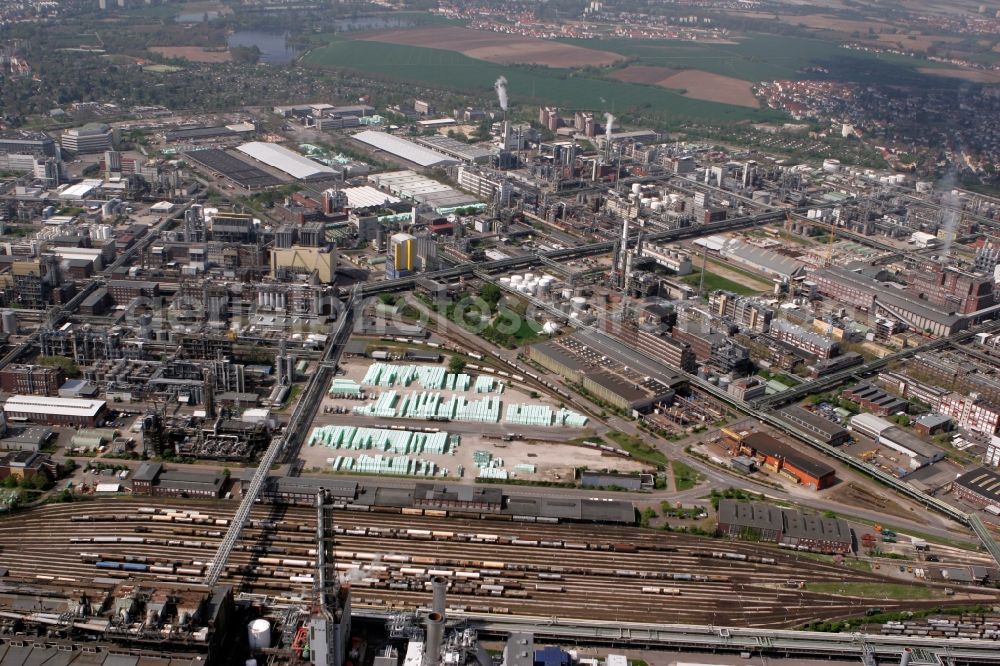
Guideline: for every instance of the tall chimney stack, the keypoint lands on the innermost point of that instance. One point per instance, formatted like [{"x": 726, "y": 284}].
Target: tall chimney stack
[{"x": 434, "y": 638}]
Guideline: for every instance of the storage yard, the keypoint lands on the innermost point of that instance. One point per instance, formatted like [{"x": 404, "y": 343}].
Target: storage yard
[
  {"x": 420, "y": 420},
  {"x": 491, "y": 565}
]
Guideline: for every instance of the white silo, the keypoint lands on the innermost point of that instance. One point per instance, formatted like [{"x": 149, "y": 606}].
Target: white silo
[
  {"x": 259, "y": 633},
  {"x": 9, "y": 322}
]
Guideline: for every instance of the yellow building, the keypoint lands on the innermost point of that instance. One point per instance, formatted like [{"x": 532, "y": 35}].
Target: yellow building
[
  {"x": 402, "y": 250},
  {"x": 305, "y": 260}
]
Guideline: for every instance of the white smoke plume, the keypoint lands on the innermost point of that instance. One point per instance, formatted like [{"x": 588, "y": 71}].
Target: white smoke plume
[
  {"x": 501, "y": 88},
  {"x": 609, "y": 123}
]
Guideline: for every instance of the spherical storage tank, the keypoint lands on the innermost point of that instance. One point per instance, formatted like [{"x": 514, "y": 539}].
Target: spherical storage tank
[
  {"x": 259, "y": 633},
  {"x": 550, "y": 328}
]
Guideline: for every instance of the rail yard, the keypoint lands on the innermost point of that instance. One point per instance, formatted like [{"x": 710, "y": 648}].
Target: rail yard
[{"x": 501, "y": 567}]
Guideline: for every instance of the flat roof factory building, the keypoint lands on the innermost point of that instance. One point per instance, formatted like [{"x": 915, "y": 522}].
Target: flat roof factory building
[
  {"x": 888, "y": 434},
  {"x": 404, "y": 149},
  {"x": 55, "y": 411},
  {"x": 295, "y": 165}
]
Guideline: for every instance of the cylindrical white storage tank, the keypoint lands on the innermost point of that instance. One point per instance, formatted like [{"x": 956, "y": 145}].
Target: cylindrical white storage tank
[
  {"x": 9, "y": 322},
  {"x": 636, "y": 188},
  {"x": 259, "y": 633},
  {"x": 528, "y": 277},
  {"x": 567, "y": 293},
  {"x": 516, "y": 279},
  {"x": 505, "y": 280},
  {"x": 579, "y": 302}
]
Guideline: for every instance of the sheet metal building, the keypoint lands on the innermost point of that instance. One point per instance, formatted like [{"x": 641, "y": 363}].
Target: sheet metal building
[
  {"x": 404, "y": 149},
  {"x": 295, "y": 165}
]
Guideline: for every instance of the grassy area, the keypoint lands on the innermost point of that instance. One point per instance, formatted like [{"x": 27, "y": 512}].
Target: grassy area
[
  {"x": 873, "y": 591},
  {"x": 713, "y": 282},
  {"x": 685, "y": 476},
  {"x": 742, "y": 271},
  {"x": 560, "y": 87},
  {"x": 638, "y": 448},
  {"x": 293, "y": 396}
]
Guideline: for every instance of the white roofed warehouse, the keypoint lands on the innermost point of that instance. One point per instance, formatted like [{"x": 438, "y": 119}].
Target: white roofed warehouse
[
  {"x": 404, "y": 149},
  {"x": 55, "y": 411},
  {"x": 295, "y": 165}
]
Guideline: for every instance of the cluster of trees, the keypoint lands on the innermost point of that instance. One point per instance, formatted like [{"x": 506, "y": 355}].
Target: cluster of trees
[
  {"x": 71, "y": 369},
  {"x": 31, "y": 482}
]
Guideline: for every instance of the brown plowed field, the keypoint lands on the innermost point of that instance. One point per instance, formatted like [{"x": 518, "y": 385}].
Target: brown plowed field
[
  {"x": 696, "y": 84},
  {"x": 497, "y": 47}
]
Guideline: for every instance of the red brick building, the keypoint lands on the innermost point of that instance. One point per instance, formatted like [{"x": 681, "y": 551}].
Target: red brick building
[
  {"x": 783, "y": 459},
  {"x": 32, "y": 379}
]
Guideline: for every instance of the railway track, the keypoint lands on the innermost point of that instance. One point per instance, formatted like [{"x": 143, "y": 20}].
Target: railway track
[{"x": 389, "y": 559}]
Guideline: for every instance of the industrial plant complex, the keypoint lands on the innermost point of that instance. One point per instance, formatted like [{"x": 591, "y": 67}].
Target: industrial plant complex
[{"x": 366, "y": 379}]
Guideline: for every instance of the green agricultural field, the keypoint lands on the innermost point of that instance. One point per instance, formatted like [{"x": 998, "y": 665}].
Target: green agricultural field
[
  {"x": 768, "y": 57},
  {"x": 552, "y": 86}
]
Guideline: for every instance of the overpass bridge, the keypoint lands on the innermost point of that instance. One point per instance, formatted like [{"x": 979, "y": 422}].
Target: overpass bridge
[{"x": 765, "y": 642}]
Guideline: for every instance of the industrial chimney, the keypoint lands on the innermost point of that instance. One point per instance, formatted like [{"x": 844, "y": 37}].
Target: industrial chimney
[
  {"x": 439, "y": 585},
  {"x": 434, "y": 638}
]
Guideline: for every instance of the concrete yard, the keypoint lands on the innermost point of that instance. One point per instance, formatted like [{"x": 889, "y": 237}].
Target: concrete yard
[{"x": 535, "y": 445}]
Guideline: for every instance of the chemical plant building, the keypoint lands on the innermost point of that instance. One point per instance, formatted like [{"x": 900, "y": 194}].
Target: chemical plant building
[
  {"x": 55, "y": 411},
  {"x": 151, "y": 479},
  {"x": 812, "y": 343},
  {"x": 887, "y": 434},
  {"x": 747, "y": 313},
  {"x": 980, "y": 487},
  {"x": 288, "y": 161},
  {"x": 225, "y": 165},
  {"x": 488, "y": 187},
  {"x": 875, "y": 400},
  {"x": 619, "y": 391},
  {"x": 93, "y": 138},
  {"x": 411, "y": 185},
  {"x": 781, "y": 458},
  {"x": 457, "y": 149},
  {"x": 788, "y": 527},
  {"x": 763, "y": 260},
  {"x": 864, "y": 291},
  {"x": 404, "y": 149},
  {"x": 818, "y": 426},
  {"x": 31, "y": 379}
]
